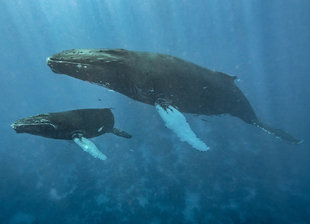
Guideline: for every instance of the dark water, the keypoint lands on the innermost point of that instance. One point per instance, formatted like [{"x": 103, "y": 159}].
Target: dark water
[{"x": 247, "y": 177}]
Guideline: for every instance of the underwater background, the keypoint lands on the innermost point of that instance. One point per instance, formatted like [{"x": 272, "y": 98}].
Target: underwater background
[{"x": 248, "y": 176}]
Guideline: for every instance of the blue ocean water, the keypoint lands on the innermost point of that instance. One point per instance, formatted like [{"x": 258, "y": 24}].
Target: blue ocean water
[{"x": 247, "y": 177}]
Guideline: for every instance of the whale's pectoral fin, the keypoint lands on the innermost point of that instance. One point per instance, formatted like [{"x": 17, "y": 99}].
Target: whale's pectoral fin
[
  {"x": 90, "y": 147},
  {"x": 175, "y": 121},
  {"x": 121, "y": 133},
  {"x": 278, "y": 133}
]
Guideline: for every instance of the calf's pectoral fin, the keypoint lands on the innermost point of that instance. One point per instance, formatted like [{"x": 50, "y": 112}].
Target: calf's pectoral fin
[
  {"x": 90, "y": 147},
  {"x": 278, "y": 133},
  {"x": 121, "y": 133},
  {"x": 175, "y": 121}
]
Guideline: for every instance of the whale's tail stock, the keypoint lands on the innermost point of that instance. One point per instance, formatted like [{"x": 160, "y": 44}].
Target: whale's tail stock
[{"x": 278, "y": 133}]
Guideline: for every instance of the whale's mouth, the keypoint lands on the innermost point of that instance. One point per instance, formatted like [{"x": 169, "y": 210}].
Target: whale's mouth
[
  {"x": 17, "y": 127},
  {"x": 51, "y": 63},
  {"x": 28, "y": 128},
  {"x": 85, "y": 57},
  {"x": 57, "y": 66}
]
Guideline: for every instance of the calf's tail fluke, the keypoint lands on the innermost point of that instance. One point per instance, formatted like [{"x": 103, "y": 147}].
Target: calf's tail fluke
[{"x": 278, "y": 133}]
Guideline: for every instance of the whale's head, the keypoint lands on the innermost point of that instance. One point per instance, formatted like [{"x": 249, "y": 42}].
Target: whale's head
[
  {"x": 106, "y": 67},
  {"x": 36, "y": 125}
]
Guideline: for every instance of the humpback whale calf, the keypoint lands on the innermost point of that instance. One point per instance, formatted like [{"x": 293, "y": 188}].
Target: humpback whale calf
[
  {"x": 171, "y": 84},
  {"x": 76, "y": 125}
]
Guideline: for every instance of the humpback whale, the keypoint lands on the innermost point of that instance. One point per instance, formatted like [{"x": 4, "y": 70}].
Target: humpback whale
[
  {"x": 76, "y": 125},
  {"x": 171, "y": 84}
]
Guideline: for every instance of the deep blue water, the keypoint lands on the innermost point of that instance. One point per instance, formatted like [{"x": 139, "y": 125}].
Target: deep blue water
[{"x": 247, "y": 177}]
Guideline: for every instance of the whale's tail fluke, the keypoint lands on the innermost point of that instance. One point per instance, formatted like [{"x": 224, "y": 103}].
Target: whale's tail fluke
[{"x": 278, "y": 133}]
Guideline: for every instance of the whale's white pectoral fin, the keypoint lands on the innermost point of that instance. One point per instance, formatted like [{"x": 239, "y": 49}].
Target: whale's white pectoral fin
[
  {"x": 175, "y": 121},
  {"x": 90, "y": 147}
]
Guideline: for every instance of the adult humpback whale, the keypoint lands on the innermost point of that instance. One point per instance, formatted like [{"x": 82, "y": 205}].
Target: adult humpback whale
[
  {"x": 168, "y": 82},
  {"x": 76, "y": 125}
]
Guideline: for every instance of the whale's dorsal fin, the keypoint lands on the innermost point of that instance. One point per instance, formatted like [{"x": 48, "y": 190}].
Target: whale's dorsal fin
[
  {"x": 121, "y": 133},
  {"x": 88, "y": 146},
  {"x": 175, "y": 121}
]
